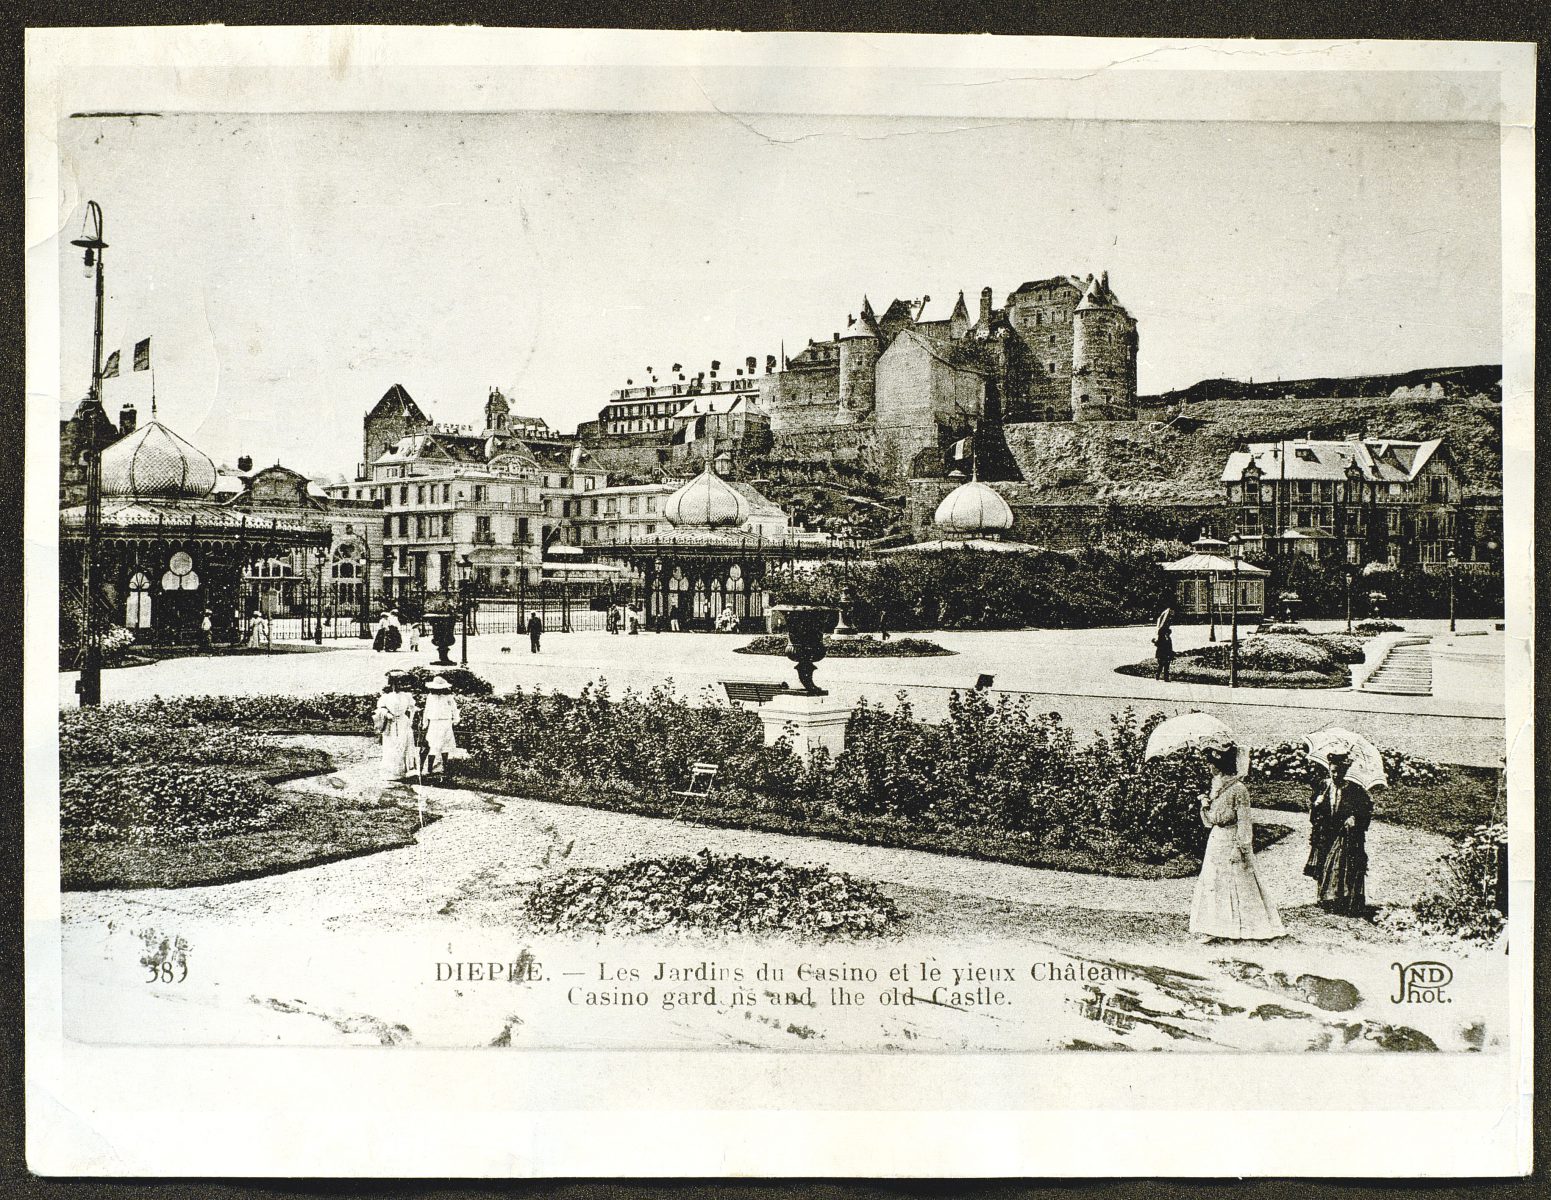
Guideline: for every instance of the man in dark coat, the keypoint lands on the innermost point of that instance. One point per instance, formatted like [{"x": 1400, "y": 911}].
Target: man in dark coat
[
  {"x": 1339, "y": 814},
  {"x": 535, "y": 631}
]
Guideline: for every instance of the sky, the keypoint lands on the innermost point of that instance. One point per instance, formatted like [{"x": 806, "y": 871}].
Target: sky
[{"x": 291, "y": 268}]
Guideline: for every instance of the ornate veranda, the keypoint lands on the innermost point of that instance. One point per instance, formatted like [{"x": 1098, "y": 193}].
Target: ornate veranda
[
  {"x": 162, "y": 564},
  {"x": 698, "y": 573}
]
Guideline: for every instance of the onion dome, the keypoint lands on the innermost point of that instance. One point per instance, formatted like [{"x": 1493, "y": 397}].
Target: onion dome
[
  {"x": 153, "y": 463},
  {"x": 973, "y": 508},
  {"x": 706, "y": 502}
]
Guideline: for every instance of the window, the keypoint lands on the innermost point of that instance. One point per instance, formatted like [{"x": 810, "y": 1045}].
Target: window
[
  {"x": 387, "y": 527},
  {"x": 482, "y": 532},
  {"x": 479, "y": 493},
  {"x": 635, "y": 504},
  {"x": 420, "y": 493},
  {"x": 446, "y": 493},
  {"x": 403, "y": 525},
  {"x": 404, "y": 494},
  {"x": 651, "y": 504},
  {"x": 593, "y": 511},
  {"x": 522, "y": 532},
  {"x": 420, "y": 527}
]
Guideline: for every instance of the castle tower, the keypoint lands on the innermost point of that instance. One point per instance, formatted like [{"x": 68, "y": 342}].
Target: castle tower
[
  {"x": 393, "y": 417},
  {"x": 859, "y": 350},
  {"x": 1103, "y": 357}
]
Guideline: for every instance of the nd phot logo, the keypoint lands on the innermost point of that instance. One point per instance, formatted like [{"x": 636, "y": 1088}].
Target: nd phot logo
[{"x": 1421, "y": 983}]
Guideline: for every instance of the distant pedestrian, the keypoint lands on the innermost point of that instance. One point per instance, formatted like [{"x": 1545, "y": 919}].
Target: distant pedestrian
[
  {"x": 613, "y": 618},
  {"x": 633, "y": 619},
  {"x": 380, "y": 635},
  {"x": 205, "y": 625},
  {"x": 883, "y": 624},
  {"x": 673, "y": 617},
  {"x": 395, "y": 632},
  {"x": 258, "y": 631},
  {"x": 535, "y": 631},
  {"x": 1163, "y": 644},
  {"x": 416, "y": 632}
]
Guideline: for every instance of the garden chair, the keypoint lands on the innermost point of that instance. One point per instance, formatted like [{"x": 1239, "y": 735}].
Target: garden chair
[{"x": 702, "y": 778}]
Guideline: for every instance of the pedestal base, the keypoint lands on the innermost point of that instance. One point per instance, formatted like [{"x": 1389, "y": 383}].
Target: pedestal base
[{"x": 812, "y": 722}]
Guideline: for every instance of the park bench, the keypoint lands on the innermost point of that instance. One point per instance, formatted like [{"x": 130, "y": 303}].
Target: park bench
[{"x": 752, "y": 693}]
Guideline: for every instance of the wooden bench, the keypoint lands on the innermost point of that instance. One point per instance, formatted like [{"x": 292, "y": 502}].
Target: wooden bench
[{"x": 752, "y": 693}]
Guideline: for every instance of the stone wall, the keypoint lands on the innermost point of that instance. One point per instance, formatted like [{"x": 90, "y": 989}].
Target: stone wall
[
  {"x": 1103, "y": 366},
  {"x": 805, "y": 399},
  {"x": 920, "y": 397}
]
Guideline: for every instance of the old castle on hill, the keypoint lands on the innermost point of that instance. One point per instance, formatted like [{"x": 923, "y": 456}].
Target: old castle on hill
[{"x": 1060, "y": 349}]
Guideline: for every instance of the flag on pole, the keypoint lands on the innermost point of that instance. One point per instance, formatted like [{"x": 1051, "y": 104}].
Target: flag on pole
[
  {"x": 110, "y": 368},
  {"x": 143, "y": 355},
  {"x": 961, "y": 449}
]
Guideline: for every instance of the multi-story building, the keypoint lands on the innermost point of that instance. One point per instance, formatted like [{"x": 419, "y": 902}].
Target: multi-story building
[
  {"x": 1358, "y": 500},
  {"x": 459, "y": 502}
]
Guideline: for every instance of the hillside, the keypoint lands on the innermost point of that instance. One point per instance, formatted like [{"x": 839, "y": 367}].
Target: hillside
[
  {"x": 1151, "y": 462},
  {"x": 1455, "y": 382}
]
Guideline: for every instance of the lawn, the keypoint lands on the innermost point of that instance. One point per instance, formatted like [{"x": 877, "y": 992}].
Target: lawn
[
  {"x": 309, "y": 831},
  {"x": 1183, "y": 670}
]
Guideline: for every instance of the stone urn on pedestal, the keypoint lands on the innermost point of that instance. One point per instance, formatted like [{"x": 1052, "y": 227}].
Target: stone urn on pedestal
[
  {"x": 442, "y": 624},
  {"x": 807, "y": 717},
  {"x": 806, "y": 626}
]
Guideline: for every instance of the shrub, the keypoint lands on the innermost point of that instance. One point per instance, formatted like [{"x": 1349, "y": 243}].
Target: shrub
[
  {"x": 330, "y": 708},
  {"x": 163, "y": 803},
  {"x": 462, "y": 681},
  {"x": 712, "y": 893},
  {"x": 1276, "y": 627},
  {"x": 1469, "y": 899},
  {"x": 1376, "y": 625},
  {"x": 863, "y": 647},
  {"x": 1271, "y": 653},
  {"x": 1291, "y": 762}
]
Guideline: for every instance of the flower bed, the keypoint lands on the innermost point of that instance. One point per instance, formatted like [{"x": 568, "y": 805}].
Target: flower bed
[
  {"x": 712, "y": 893},
  {"x": 1291, "y": 761},
  {"x": 162, "y": 803},
  {"x": 858, "y": 647},
  {"x": 1284, "y": 660},
  {"x": 996, "y": 780},
  {"x": 1376, "y": 625}
]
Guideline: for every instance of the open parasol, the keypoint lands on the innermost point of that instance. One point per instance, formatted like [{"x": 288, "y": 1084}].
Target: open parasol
[
  {"x": 1365, "y": 763},
  {"x": 1188, "y": 731}
]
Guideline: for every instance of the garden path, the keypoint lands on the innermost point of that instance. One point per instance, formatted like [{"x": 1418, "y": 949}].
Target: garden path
[{"x": 349, "y": 951}]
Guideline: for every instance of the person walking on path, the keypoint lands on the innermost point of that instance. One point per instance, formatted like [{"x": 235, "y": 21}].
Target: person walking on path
[
  {"x": 673, "y": 617},
  {"x": 394, "y": 721},
  {"x": 393, "y": 636},
  {"x": 440, "y": 715},
  {"x": 633, "y": 617},
  {"x": 613, "y": 619},
  {"x": 1339, "y": 815},
  {"x": 258, "y": 631},
  {"x": 535, "y": 631},
  {"x": 1163, "y": 643},
  {"x": 1229, "y": 900},
  {"x": 205, "y": 625}
]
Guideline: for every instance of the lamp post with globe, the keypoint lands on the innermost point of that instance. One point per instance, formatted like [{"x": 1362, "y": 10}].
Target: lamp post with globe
[
  {"x": 90, "y": 684},
  {"x": 1234, "y": 544}
]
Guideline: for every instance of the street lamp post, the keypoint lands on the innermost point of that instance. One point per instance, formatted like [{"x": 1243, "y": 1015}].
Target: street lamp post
[
  {"x": 90, "y": 684},
  {"x": 843, "y": 626},
  {"x": 317, "y": 632},
  {"x": 465, "y": 587},
  {"x": 1233, "y": 647},
  {"x": 1211, "y": 607},
  {"x": 1350, "y": 575},
  {"x": 1453, "y": 568}
]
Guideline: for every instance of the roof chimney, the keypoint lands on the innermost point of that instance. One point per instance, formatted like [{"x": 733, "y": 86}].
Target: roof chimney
[
  {"x": 985, "y": 306},
  {"x": 245, "y": 463},
  {"x": 126, "y": 420}
]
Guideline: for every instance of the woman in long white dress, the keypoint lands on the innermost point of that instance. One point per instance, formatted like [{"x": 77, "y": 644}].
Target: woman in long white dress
[
  {"x": 395, "y": 721},
  {"x": 1230, "y": 901},
  {"x": 441, "y": 714}
]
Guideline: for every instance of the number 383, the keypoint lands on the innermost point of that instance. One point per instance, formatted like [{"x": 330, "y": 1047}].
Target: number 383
[{"x": 166, "y": 972}]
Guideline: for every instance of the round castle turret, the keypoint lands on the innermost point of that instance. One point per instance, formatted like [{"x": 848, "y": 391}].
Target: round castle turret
[
  {"x": 1103, "y": 357},
  {"x": 859, "y": 350}
]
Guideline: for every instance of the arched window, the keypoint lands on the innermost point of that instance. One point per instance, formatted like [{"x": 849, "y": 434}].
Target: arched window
[{"x": 137, "y": 606}]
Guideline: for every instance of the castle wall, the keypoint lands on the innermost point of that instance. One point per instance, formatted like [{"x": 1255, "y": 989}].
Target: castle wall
[
  {"x": 800, "y": 400},
  {"x": 918, "y": 397}
]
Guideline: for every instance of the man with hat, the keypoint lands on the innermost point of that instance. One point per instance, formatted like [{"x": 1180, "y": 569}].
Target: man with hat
[
  {"x": 394, "y": 720},
  {"x": 440, "y": 715}
]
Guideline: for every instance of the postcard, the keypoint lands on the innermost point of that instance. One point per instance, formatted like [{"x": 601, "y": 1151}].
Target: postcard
[{"x": 711, "y": 604}]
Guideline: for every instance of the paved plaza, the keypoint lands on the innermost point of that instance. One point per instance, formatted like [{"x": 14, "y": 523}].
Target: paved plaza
[{"x": 1067, "y": 671}]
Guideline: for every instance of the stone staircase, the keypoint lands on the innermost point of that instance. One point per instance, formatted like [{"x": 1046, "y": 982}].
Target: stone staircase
[{"x": 1407, "y": 670}]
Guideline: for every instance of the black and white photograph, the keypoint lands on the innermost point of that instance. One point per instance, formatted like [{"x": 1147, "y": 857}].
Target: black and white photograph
[{"x": 736, "y": 564}]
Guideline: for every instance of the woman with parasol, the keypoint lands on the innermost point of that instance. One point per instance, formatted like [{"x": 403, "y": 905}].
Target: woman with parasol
[
  {"x": 1163, "y": 643},
  {"x": 1340, "y": 811},
  {"x": 1229, "y": 900}
]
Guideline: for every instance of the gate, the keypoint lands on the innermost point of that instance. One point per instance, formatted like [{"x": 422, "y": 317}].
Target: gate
[{"x": 297, "y": 611}]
